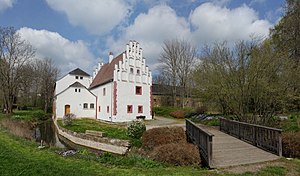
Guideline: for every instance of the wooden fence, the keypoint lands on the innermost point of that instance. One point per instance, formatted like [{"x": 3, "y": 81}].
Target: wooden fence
[
  {"x": 261, "y": 136},
  {"x": 202, "y": 139}
]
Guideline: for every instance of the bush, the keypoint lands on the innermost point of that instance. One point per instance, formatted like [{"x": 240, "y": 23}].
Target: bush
[
  {"x": 177, "y": 154},
  {"x": 291, "y": 144},
  {"x": 159, "y": 136},
  {"x": 292, "y": 124},
  {"x": 68, "y": 119},
  {"x": 201, "y": 110},
  {"x": 39, "y": 114},
  {"x": 135, "y": 129},
  {"x": 178, "y": 114}
]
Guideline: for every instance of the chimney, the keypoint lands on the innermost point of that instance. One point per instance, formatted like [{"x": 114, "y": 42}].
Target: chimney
[{"x": 111, "y": 56}]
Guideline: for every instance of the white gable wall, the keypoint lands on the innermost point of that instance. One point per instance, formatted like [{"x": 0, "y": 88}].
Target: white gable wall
[
  {"x": 76, "y": 101},
  {"x": 67, "y": 80},
  {"x": 126, "y": 95}
]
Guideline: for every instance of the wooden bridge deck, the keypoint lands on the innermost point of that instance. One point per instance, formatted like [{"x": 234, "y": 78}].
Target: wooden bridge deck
[{"x": 230, "y": 151}]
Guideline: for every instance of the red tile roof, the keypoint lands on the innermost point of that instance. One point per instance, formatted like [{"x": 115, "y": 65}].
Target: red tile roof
[{"x": 106, "y": 73}]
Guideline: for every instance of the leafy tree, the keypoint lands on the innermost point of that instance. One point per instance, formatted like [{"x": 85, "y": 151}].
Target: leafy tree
[
  {"x": 286, "y": 39},
  {"x": 246, "y": 80}
]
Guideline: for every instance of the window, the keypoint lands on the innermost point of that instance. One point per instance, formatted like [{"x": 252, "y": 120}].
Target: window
[
  {"x": 138, "y": 72},
  {"x": 81, "y": 77},
  {"x": 78, "y": 90},
  {"x": 99, "y": 108},
  {"x": 85, "y": 105},
  {"x": 76, "y": 77},
  {"x": 140, "y": 109},
  {"x": 138, "y": 90},
  {"x": 92, "y": 106},
  {"x": 107, "y": 109},
  {"x": 131, "y": 70},
  {"x": 75, "y": 90},
  {"x": 104, "y": 91},
  {"x": 129, "y": 108}
]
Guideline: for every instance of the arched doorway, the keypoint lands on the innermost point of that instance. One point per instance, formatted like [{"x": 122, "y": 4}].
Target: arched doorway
[{"x": 67, "y": 109}]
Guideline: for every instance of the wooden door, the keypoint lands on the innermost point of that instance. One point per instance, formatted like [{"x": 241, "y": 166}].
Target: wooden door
[{"x": 67, "y": 109}]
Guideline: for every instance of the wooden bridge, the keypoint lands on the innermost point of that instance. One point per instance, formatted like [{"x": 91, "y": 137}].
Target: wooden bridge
[{"x": 234, "y": 143}]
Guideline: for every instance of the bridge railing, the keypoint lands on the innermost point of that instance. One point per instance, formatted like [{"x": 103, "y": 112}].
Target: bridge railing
[
  {"x": 202, "y": 139},
  {"x": 261, "y": 136}
]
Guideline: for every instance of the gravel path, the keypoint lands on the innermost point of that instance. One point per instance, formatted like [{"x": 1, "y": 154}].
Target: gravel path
[{"x": 164, "y": 122}]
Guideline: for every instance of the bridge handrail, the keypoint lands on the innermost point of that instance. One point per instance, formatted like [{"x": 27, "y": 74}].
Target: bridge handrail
[
  {"x": 202, "y": 138},
  {"x": 263, "y": 137}
]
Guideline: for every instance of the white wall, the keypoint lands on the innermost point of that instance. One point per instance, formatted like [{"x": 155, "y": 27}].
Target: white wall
[
  {"x": 104, "y": 101},
  {"x": 126, "y": 95},
  {"x": 67, "y": 80},
  {"x": 76, "y": 101}
]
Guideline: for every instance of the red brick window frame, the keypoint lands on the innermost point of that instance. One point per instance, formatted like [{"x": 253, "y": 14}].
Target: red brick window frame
[
  {"x": 138, "y": 90},
  {"x": 129, "y": 108},
  {"x": 140, "y": 109}
]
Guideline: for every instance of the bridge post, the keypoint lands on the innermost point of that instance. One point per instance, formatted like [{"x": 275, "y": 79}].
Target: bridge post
[{"x": 280, "y": 144}]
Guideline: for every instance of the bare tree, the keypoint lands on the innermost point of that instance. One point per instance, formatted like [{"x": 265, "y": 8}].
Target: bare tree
[
  {"x": 15, "y": 53},
  {"x": 48, "y": 74},
  {"x": 177, "y": 59}
]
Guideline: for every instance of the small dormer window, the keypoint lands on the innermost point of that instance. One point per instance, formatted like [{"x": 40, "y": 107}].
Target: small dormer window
[
  {"x": 78, "y": 90},
  {"x": 138, "y": 72},
  {"x": 131, "y": 70},
  {"x": 75, "y": 90},
  {"x": 81, "y": 77},
  {"x": 76, "y": 77}
]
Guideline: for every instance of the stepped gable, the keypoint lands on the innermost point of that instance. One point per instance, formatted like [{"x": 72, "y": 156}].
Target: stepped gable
[
  {"x": 79, "y": 72},
  {"x": 106, "y": 73},
  {"x": 76, "y": 84}
]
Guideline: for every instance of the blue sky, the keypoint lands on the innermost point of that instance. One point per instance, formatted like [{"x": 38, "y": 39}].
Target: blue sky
[{"x": 80, "y": 33}]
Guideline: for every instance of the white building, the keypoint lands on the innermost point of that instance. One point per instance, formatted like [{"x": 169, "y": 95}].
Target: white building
[
  {"x": 72, "y": 95},
  {"x": 121, "y": 87}
]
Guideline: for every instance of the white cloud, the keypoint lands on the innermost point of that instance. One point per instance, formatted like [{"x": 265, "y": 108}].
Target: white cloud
[
  {"x": 66, "y": 54},
  {"x": 151, "y": 29},
  {"x": 208, "y": 23},
  {"x": 4, "y": 4},
  {"x": 215, "y": 23},
  {"x": 96, "y": 16}
]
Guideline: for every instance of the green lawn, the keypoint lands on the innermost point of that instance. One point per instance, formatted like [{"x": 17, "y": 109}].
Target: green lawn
[
  {"x": 112, "y": 131},
  {"x": 21, "y": 157}
]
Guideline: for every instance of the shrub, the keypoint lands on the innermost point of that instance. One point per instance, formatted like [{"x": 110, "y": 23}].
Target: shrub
[
  {"x": 135, "y": 129},
  {"x": 201, "y": 110},
  {"x": 177, "y": 154},
  {"x": 68, "y": 119},
  {"x": 39, "y": 114},
  {"x": 178, "y": 114},
  {"x": 291, "y": 144},
  {"x": 159, "y": 136}
]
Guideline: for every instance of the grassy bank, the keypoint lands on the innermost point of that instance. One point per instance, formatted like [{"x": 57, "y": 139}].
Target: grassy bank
[{"x": 21, "y": 157}]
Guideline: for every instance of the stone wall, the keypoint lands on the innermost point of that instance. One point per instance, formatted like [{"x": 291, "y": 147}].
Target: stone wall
[{"x": 99, "y": 143}]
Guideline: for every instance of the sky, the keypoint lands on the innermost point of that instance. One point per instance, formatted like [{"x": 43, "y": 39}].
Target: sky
[{"x": 81, "y": 33}]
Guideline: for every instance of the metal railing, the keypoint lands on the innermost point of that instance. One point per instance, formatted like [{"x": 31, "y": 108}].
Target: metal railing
[
  {"x": 263, "y": 137},
  {"x": 202, "y": 139}
]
